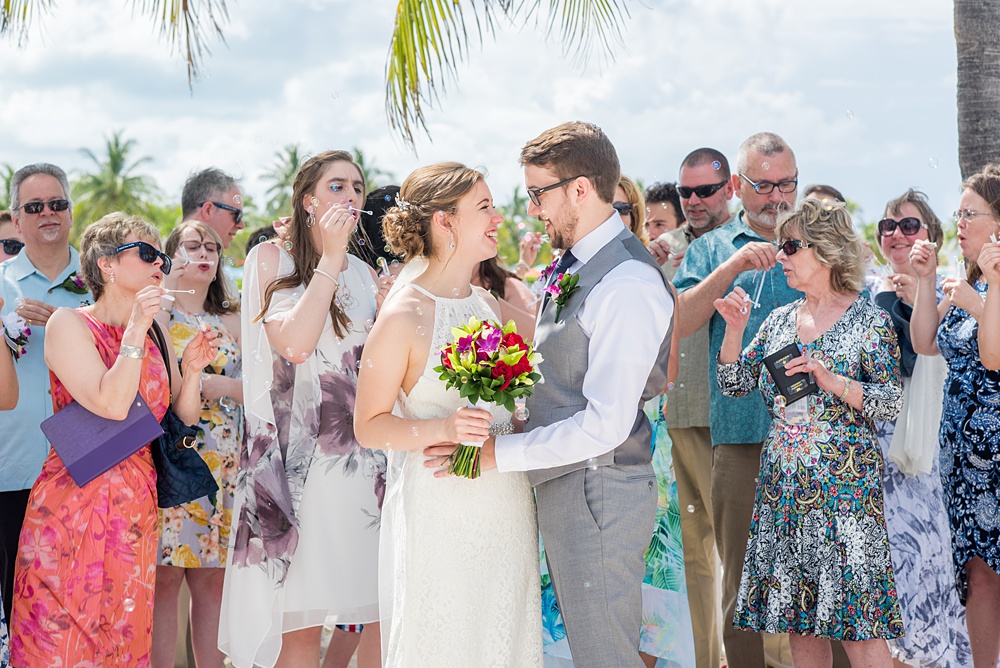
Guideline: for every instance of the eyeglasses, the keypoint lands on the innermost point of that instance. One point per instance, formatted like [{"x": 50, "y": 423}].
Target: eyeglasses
[
  {"x": 237, "y": 213},
  {"x": 195, "y": 246},
  {"x": 623, "y": 208},
  {"x": 767, "y": 187},
  {"x": 147, "y": 253},
  {"x": 969, "y": 215},
  {"x": 12, "y": 246},
  {"x": 533, "y": 193},
  {"x": 792, "y": 246},
  {"x": 703, "y": 191},
  {"x": 55, "y": 206},
  {"x": 908, "y": 226}
]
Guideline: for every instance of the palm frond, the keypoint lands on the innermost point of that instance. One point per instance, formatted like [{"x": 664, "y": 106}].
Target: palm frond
[
  {"x": 16, "y": 16},
  {"x": 586, "y": 26},
  {"x": 429, "y": 39},
  {"x": 187, "y": 24}
]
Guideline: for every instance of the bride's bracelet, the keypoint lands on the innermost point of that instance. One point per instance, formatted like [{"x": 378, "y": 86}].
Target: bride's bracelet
[{"x": 327, "y": 275}]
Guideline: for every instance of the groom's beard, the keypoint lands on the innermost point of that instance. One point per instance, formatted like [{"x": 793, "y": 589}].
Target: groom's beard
[{"x": 562, "y": 235}]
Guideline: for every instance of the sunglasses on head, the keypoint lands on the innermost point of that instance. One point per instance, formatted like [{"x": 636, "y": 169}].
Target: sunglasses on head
[
  {"x": 55, "y": 206},
  {"x": 12, "y": 246},
  {"x": 703, "y": 191},
  {"x": 792, "y": 246},
  {"x": 908, "y": 226},
  {"x": 148, "y": 253},
  {"x": 623, "y": 208},
  {"x": 237, "y": 213}
]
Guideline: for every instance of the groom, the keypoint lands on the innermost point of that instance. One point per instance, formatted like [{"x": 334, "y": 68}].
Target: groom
[{"x": 605, "y": 344}]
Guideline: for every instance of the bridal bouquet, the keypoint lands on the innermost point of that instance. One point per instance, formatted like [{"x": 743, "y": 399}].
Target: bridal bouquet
[{"x": 488, "y": 362}]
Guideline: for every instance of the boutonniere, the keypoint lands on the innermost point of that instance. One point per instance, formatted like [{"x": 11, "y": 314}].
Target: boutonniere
[
  {"x": 16, "y": 331},
  {"x": 562, "y": 289},
  {"x": 544, "y": 275},
  {"x": 74, "y": 284}
]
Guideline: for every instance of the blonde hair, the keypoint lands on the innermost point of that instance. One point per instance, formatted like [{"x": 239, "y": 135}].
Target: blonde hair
[
  {"x": 438, "y": 187},
  {"x": 828, "y": 231},
  {"x": 102, "y": 237},
  {"x": 635, "y": 197}
]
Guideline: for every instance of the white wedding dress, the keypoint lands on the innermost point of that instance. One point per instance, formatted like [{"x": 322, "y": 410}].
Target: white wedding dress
[{"x": 459, "y": 576}]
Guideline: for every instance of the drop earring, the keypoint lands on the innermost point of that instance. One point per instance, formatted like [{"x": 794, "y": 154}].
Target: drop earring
[
  {"x": 112, "y": 277},
  {"x": 451, "y": 244},
  {"x": 312, "y": 217}
]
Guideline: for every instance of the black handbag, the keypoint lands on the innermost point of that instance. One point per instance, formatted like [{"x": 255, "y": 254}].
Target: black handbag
[{"x": 181, "y": 474}]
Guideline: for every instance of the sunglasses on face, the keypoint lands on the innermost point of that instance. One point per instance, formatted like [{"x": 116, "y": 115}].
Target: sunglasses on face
[
  {"x": 55, "y": 206},
  {"x": 237, "y": 213},
  {"x": 193, "y": 246},
  {"x": 533, "y": 193},
  {"x": 767, "y": 187},
  {"x": 703, "y": 191},
  {"x": 792, "y": 246},
  {"x": 12, "y": 246},
  {"x": 908, "y": 226},
  {"x": 147, "y": 253},
  {"x": 623, "y": 208}
]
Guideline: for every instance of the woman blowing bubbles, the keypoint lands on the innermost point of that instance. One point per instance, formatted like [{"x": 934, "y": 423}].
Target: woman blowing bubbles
[{"x": 817, "y": 563}]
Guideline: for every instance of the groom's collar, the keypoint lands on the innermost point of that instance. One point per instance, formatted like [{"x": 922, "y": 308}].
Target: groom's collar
[{"x": 586, "y": 248}]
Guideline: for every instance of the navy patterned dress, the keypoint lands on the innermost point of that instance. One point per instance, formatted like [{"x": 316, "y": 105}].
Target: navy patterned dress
[
  {"x": 817, "y": 561},
  {"x": 970, "y": 445}
]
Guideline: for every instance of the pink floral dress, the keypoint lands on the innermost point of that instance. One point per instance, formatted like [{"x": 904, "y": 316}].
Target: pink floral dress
[{"x": 86, "y": 565}]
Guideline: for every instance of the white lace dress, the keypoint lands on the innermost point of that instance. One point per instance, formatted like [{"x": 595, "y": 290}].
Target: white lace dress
[{"x": 459, "y": 574}]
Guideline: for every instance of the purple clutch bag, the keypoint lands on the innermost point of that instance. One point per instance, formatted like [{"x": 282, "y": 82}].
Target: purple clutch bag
[{"x": 89, "y": 444}]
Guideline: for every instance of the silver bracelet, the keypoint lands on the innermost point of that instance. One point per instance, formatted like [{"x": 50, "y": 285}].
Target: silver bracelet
[
  {"x": 132, "y": 352},
  {"x": 323, "y": 273}
]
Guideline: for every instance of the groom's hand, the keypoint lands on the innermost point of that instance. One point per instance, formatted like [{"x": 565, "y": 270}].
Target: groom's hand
[{"x": 438, "y": 457}]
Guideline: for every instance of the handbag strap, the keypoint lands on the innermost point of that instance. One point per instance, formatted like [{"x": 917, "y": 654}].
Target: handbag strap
[{"x": 161, "y": 344}]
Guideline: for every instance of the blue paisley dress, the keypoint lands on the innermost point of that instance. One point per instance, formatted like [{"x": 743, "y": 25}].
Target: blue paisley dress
[
  {"x": 970, "y": 445},
  {"x": 817, "y": 560}
]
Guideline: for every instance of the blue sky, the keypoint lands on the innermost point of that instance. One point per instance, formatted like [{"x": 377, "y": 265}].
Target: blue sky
[{"x": 863, "y": 91}]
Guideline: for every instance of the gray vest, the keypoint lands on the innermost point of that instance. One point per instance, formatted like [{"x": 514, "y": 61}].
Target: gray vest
[{"x": 564, "y": 347}]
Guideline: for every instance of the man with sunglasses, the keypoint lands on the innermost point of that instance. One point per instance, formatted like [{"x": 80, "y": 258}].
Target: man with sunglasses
[
  {"x": 741, "y": 253},
  {"x": 705, "y": 190},
  {"x": 35, "y": 284},
  {"x": 213, "y": 197}
]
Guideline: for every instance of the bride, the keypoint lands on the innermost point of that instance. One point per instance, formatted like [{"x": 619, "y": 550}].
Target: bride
[{"x": 459, "y": 562}]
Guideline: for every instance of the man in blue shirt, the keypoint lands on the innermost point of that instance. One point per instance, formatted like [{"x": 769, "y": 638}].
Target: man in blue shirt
[
  {"x": 38, "y": 281},
  {"x": 743, "y": 254}
]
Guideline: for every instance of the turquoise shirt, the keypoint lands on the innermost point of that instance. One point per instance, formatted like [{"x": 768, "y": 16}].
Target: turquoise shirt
[
  {"x": 744, "y": 419},
  {"x": 23, "y": 447}
]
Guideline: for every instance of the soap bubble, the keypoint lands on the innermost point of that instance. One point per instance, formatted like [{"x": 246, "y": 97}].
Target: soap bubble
[
  {"x": 766, "y": 165},
  {"x": 415, "y": 431},
  {"x": 287, "y": 245},
  {"x": 258, "y": 139},
  {"x": 261, "y": 239},
  {"x": 387, "y": 249},
  {"x": 690, "y": 508},
  {"x": 420, "y": 311},
  {"x": 334, "y": 95},
  {"x": 421, "y": 330},
  {"x": 586, "y": 585},
  {"x": 230, "y": 262},
  {"x": 237, "y": 199},
  {"x": 932, "y": 163},
  {"x": 369, "y": 323},
  {"x": 716, "y": 165},
  {"x": 128, "y": 604},
  {"x": 350, "y": 328},
  {"x": 225, "y": 304},
  {"x": 454, "y": 292},
  {"x": 369, "y": 363},
  {"x": 849, "y": 113},
  {"x": 521, "y": 413},
  {"x": 592, "y": 463}
]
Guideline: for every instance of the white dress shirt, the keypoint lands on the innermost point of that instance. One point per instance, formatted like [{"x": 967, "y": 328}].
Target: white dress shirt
[{"x": 625, "y": 317}]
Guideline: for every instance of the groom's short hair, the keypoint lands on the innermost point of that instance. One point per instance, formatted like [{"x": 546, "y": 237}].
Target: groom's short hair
[{"x": 576, "y": 149}]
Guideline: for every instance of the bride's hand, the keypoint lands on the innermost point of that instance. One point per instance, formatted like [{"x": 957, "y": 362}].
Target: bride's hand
[
  {"x": 439, "y": 457},
  {"x": 467, "y": 425}
]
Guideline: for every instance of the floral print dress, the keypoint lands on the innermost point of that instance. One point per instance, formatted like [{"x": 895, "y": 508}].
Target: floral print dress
[
  {"x": 86, "y": 564},
  {"x": 196, "y": 535},
  {"x": 4, "y": 640},
  {"x": 817, "y": 560},
  {"x": 970, "y": 445},
  {"x": 308, "y": 497}
]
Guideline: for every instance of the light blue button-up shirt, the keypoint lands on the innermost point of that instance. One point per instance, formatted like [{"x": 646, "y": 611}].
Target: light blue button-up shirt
[
  {"x": 743, "y": 419},
  {"x": 23, "y": 447}
]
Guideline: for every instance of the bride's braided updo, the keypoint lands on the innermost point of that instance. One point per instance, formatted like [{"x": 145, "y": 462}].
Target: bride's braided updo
[{"x": 439, "y": 187}]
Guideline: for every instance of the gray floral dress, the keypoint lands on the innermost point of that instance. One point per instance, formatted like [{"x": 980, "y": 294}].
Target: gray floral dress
[
  {"x": 308, "y": 497},
  {"x": 817, "y": 560}
]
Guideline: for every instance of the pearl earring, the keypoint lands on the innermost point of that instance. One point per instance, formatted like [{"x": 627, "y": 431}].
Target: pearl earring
[
  {"x": 452, "y": 243},
  {"x": 112, "y": 277}
]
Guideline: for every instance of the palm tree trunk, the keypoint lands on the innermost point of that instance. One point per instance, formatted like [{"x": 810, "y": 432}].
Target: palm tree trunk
[{"x": 977, "y": 37}]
